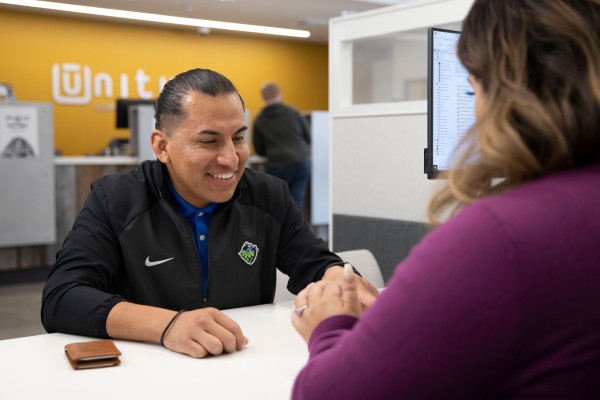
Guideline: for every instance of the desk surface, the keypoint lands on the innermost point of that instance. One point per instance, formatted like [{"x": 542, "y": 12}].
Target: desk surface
[{"x": 35, "y": 367}]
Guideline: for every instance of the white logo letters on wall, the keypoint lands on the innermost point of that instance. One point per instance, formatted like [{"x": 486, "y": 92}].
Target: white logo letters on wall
[
  {"x": 72, "y": 84},
  {"x": 76, "y": 91}
]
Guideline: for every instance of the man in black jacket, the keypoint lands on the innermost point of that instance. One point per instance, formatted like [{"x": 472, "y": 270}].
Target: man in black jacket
[
  {"x": 282, "y": 135},
  {"x": 191, "y": 231}
]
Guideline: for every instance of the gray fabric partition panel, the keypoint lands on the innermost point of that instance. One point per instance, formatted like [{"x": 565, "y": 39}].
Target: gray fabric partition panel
[{"x": 390, "y": 241}]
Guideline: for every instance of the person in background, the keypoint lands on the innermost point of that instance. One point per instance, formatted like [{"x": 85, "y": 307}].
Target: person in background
[
  {"x": 282, "y": 135},
  {"x": 501, "y": 300},
  {"x": 157, "y": 252}
]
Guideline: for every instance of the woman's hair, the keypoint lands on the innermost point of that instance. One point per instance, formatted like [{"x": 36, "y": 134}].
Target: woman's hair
[
  {"x": 169, "y": 104},
  {"x": 538, "y": 62}
]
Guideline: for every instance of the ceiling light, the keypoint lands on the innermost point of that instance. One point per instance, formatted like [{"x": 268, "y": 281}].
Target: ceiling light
[{"x": 166, "y": 19}]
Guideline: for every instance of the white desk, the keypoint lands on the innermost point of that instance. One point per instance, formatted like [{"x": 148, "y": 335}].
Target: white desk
[{"x": 35, "y": 367}]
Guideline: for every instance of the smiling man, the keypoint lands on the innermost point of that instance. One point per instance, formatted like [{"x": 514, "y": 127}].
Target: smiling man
[{"x": 156, "y": 253}]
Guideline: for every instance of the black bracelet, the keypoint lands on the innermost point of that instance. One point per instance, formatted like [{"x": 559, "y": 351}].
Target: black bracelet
[{"x": 162, "y": 337}]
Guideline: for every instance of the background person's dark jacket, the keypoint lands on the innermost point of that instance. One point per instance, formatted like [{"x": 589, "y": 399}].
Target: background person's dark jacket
[
  {"x": 281, "y": 134},
  {"x": 128, "y": 219}
]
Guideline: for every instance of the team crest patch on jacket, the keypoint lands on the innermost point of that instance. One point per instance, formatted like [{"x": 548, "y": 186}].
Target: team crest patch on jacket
[{"x": 248, "y": 253}]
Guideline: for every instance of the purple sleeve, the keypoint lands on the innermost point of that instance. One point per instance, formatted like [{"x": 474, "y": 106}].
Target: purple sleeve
[
  {"x": 327, "y": 333},
  {"x": 443, "y": 328}
]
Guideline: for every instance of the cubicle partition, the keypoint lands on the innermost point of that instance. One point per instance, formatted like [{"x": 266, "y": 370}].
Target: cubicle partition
[{"x": 378, "y": 119}]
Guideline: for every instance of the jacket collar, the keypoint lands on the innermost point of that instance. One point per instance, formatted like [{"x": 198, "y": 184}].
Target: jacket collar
[{"x": 156, "y": 175}]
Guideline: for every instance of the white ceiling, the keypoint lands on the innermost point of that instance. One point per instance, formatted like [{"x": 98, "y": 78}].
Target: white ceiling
[{"x": 311, "y": 15}]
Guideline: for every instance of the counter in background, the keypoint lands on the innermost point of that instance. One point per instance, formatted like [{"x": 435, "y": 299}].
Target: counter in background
[{"x": 73, "y": 176}]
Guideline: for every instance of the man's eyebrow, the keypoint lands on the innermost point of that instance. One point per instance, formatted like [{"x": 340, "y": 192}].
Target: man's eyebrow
[{"x": 213, "y": 132}]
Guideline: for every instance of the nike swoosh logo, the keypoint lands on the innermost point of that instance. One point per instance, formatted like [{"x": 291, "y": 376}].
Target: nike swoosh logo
[{"x": 153, "y": 263}]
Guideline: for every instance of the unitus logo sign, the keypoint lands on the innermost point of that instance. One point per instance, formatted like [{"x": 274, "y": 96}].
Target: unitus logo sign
[{"x": 74, "y": 84}]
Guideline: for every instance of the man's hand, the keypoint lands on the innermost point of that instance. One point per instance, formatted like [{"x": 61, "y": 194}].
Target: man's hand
[
  {"x": 367, "y": 293},
  {"x": 204, "y": 332},
  {"x": 197, "y": 333}
]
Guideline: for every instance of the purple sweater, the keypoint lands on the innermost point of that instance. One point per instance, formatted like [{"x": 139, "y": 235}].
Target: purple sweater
[{"x": 500, "y": 302}]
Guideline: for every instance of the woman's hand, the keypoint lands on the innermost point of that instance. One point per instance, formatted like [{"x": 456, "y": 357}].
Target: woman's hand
[
  {"x": 323, "y": 299},
  {"x": 367, "y": 293}
]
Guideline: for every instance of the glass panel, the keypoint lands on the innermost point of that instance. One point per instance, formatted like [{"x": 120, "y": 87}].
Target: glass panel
[{"x": 391, "y": 68}]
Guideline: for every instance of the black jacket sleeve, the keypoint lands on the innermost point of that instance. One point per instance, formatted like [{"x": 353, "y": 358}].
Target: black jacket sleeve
[
  {"x": 76, "y": 298},
  {"x": 301, "y": 255}
]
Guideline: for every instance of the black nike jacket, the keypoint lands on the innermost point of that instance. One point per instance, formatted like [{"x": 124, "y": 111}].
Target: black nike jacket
[{"x": 128, "y": 224}]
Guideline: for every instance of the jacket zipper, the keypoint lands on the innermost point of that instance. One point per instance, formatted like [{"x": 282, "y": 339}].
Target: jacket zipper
[{"x": 171, "y": 209}]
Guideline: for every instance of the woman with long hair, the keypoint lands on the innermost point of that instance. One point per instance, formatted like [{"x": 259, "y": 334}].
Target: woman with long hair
[{"x": 502, "y": 298}]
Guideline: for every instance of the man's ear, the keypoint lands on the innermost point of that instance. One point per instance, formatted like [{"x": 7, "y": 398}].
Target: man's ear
[{"x": 159, "y": 145}]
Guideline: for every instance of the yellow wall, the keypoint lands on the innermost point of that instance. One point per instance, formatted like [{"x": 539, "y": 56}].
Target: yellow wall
[{"x": 33, "y": 43}]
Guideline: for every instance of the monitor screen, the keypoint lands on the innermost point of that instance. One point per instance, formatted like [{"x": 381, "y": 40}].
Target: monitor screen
[
  {"x": 450, "y": 100},
  {"x": 122, "y": 110}
]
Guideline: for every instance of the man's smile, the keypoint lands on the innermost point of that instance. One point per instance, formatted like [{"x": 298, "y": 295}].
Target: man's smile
[{"x": 223, "y": 176}]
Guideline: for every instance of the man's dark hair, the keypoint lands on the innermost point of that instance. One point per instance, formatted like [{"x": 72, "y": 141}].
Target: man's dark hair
[{"x": 169, "y": 104}]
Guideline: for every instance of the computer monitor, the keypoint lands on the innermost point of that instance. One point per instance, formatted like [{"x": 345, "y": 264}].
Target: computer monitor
[
  {"x": 122, "y": 110},
  {"x": 450, "y": 100}
]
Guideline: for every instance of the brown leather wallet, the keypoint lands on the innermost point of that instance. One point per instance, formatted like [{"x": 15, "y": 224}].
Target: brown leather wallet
[{"x": 94, "y": 354}]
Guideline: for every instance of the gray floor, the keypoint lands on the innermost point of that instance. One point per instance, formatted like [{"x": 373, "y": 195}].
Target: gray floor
[{"x": 20, "y": 310}]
